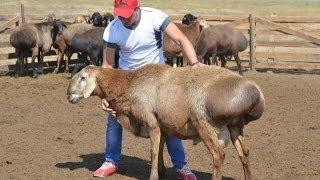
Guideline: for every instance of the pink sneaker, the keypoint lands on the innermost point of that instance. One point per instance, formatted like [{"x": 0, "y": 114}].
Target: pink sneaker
[
  {"x": 107, "y": 169},
  {"x": 185, "y": 174}
]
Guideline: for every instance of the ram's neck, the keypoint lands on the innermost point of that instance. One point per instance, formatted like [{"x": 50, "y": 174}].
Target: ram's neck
[{"x": 112, "y": 84}]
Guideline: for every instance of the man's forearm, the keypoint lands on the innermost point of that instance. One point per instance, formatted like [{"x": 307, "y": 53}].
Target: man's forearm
[
  {"x": 188, "y": 51},
  {"x": 105, "y": 59}
]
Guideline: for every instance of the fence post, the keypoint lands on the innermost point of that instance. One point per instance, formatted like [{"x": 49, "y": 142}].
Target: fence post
[
  {"x": 22, "y": 16},
  {"x": 252, "y": 30}
]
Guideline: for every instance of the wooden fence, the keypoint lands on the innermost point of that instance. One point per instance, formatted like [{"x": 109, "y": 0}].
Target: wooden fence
[{"x": 283, "y": 42}]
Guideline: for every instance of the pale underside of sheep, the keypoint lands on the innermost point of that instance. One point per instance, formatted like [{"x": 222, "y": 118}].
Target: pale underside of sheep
[{"x": 209, "y": 103}]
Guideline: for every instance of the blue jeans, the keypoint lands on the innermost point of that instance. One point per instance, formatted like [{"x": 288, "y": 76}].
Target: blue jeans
[{"x": 114, "y": 144}]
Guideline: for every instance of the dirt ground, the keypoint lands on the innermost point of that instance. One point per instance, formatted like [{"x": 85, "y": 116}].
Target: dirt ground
[{"x": 45, "y": 137}]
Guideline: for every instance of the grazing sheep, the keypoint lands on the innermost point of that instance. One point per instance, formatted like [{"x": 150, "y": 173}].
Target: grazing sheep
[
  {"x": 35, "y": 38},
  {"x": 221, "y": 41},
  {"x": 210, "y": 103},
  {"x": 192, "y": 32}
]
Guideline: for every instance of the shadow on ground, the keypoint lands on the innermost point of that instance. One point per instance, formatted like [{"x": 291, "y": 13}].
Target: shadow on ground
[{"x": 141, "y": 170}]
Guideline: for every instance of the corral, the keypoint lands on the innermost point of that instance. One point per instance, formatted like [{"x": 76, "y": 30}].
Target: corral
[{"x": 43, "y": 136}]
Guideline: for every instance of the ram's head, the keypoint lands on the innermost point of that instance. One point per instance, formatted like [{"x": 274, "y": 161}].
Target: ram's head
[{"x": 82, "y": 84}]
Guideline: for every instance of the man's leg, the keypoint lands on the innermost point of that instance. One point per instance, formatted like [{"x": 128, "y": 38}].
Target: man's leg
[
  {"x": 176, "y": 151},
  {"x": 113, "y": 148},
  {"x": 113, "y": 141}
]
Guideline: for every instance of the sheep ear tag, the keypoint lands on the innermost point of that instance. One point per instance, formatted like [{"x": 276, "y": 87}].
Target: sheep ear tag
[{"x": 91, "y": 85}]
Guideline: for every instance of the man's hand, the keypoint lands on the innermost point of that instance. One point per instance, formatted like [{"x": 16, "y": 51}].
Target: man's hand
[
  {"x": 197, "y": 64},
  {"x": 105, "y": 106},
  {"x": 106, "y": 66}
]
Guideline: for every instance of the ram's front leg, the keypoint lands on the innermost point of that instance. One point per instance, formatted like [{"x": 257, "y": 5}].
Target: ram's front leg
[{"x": 149, "y": 120}]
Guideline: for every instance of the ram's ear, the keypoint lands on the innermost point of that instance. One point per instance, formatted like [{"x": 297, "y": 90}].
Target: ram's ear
[{"x": 91, "y": 85}]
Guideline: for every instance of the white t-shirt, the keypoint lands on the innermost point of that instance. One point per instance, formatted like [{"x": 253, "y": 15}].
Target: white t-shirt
[{"x": 140, "y": 46}]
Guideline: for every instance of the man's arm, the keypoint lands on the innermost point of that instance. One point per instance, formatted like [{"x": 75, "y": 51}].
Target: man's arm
[
  {"x": 187, "y": 48},
  {"x": 108, "y": 60}
]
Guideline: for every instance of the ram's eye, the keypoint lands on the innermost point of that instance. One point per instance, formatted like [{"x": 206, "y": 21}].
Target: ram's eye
[{"x": 83, "y": 78}]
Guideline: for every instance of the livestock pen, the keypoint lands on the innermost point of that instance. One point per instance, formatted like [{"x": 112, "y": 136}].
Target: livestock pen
[{"x": 275, "y": 42}]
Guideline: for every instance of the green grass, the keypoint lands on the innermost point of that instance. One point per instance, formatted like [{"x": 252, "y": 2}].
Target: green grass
[{"x": 213, "y": 7}]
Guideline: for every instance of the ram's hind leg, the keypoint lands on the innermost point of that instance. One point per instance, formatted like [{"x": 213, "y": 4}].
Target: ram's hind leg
[
  {"x": 210, "y": 139},
  {"x": 161, "y": 167},
  {"x": 243, "y": 152}
]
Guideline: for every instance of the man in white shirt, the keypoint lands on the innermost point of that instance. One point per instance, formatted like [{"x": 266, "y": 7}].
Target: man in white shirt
[{"x": 137, "y": 33}]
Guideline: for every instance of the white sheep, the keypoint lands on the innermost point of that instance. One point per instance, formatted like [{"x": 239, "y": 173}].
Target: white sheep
[{"x": 210, "y": 103}]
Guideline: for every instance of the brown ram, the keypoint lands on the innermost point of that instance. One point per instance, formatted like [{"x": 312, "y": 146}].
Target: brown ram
[{"x": 210, "y": 103}]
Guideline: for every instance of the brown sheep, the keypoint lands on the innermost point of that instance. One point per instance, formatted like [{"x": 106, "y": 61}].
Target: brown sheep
[
  {"x": 75, "y": 29},
  {"x": 60, "y": 48},
  {"x": 64, "y": 44},
  {"x": 220, "y": 41},
  {"x": 36, "y": 38},
  {"x": 210, "y": 103},
  {"x": 189, "y": 19},
  {"x": 192, "y": 32}
]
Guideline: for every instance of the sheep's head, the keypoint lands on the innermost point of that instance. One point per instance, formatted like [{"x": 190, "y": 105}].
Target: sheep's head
[
  {"x": 188, "y": 19},
  {"x": 107, "y": 18},
  {"x": 96, "y": 19},
  {"x": 87, "y": 18},
  {"x": 50, "y": 18},
  {"x": 79, "y": 19},
  {"x": 82, "y": 84},
  {"x": 58, "y": 26}
]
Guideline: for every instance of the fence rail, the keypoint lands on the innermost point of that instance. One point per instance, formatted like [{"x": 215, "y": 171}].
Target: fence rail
[
  {"x": 253, "y": 27},
  {"x": 9, "y": 23}
]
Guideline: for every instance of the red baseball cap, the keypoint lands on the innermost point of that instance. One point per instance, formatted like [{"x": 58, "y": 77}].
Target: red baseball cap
[{"x": 125, "y": 8}]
